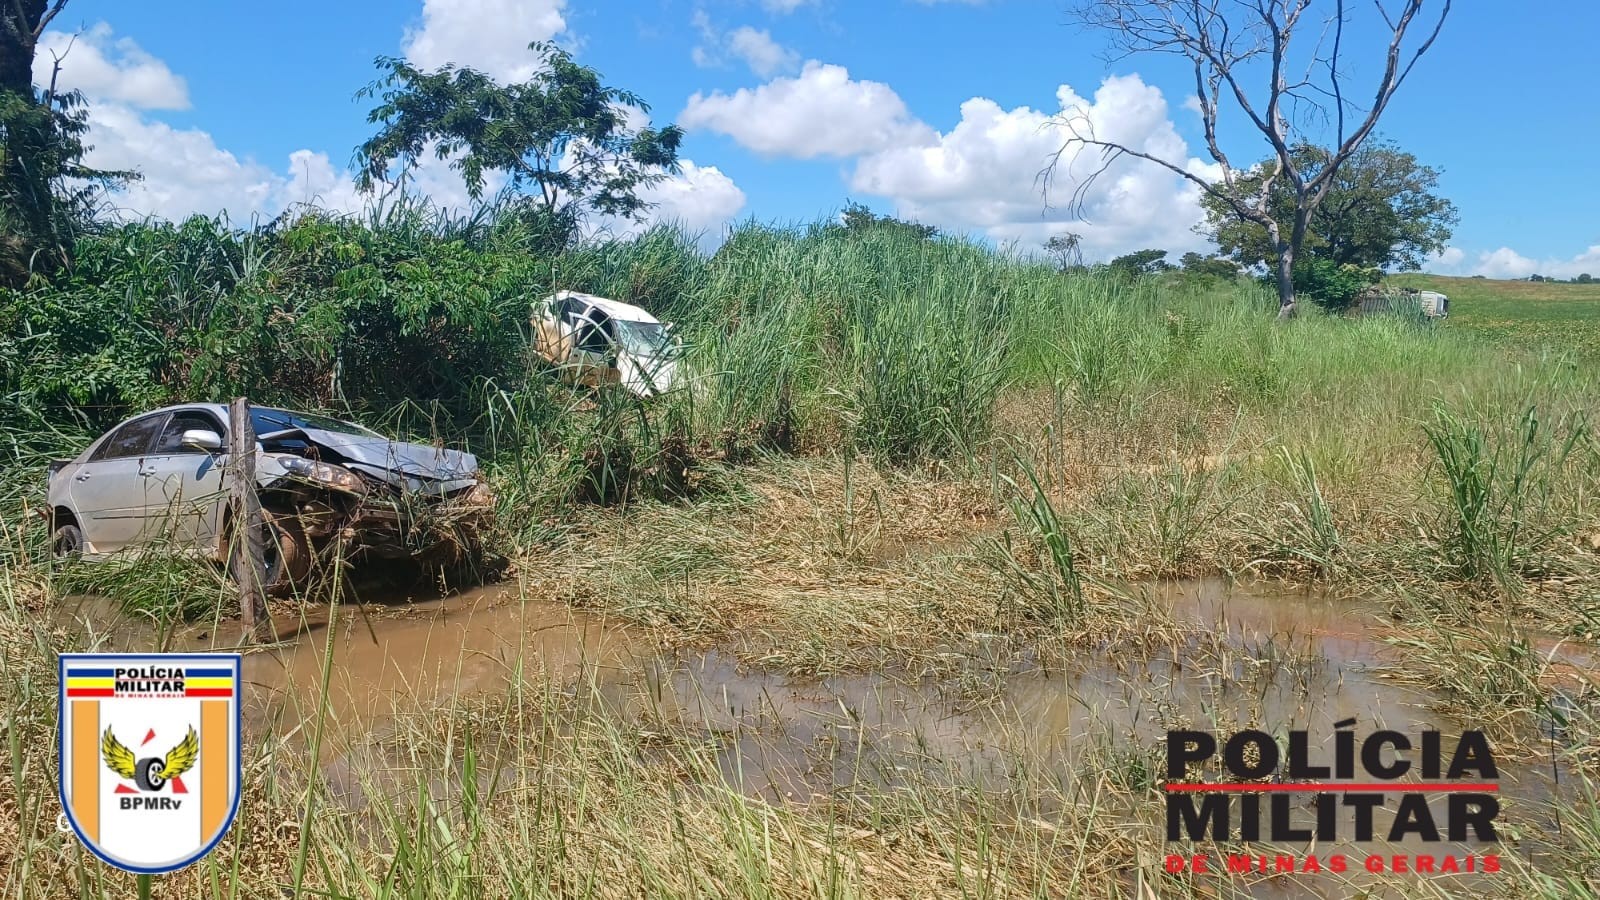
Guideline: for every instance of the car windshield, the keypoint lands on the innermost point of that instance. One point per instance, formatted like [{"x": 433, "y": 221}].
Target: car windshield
[
  {"x": 643, "y": 339},
  {"x": 266, "y": 421}
]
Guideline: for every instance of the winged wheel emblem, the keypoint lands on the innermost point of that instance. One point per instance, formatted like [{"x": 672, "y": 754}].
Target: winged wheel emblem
[{"x": 152, "y": 772}]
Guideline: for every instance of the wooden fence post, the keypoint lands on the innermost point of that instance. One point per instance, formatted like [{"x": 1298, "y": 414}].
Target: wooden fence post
[{"x": 248, "y": 526}]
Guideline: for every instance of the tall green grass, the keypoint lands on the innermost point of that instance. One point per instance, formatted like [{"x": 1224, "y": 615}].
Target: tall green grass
[{"x": 1501, "y": 488}]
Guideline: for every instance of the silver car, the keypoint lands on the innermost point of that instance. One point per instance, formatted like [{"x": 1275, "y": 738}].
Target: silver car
[{"x": 159, "y": 482}]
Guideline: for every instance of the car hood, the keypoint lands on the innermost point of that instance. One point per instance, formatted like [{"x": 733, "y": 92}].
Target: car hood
[
  {"x": 650, "y": 375},
  {"x": 423, "y": 461}
]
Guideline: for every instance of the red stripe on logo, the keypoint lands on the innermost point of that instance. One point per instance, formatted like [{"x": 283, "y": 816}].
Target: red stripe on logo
[
  {"x": 91, "y": 692},
  {"x": 208, "y": 692}
]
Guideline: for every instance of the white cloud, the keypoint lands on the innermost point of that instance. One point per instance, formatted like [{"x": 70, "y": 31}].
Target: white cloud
[
  {"x": 1586, "y": 262},
  {"x": 760, "y": 52},
  {"x": 820, "y": 112},
  {"x": 1448, "y": 259},
  {"x": 1508, "y": 263},
  {"x": 313, "y": 180},
  {"x": 108, "y": 68},
  {"x": 754, "y": 47},
  {"x": 784, "y": 7},
  {"x": 1505, "y": 263},
  {"x": 983, "y": 175},
  {"x": 185, "y": 172},
  {"x": 491, "y": 36},
  {"x": 699, "y": 199}
]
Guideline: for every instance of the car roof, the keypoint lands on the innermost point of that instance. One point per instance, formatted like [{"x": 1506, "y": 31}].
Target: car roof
[
  {"x": 220, "y": 409},
  {"x": 616, "y": 309}
]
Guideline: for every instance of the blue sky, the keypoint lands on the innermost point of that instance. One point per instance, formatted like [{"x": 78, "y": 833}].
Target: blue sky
[{"x": 934, "y": 109}]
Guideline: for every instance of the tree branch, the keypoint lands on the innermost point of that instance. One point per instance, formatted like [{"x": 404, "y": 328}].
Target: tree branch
[
  {"x": 49, "y": 14},
  {"x": 1393, "y": 77},
  {"x": 1111, "y": 151},
  {"x": 55, "y": 71}
]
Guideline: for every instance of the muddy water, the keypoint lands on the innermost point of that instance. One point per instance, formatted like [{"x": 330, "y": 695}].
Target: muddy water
[
  {"x": 392, "y": 657},
  {"x": 1253, "y": 658}
]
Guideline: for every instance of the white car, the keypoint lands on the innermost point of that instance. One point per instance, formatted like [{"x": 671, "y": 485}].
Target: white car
[
  {"x": 593, "y": 341},
  {"x": 158, "y": 482}
]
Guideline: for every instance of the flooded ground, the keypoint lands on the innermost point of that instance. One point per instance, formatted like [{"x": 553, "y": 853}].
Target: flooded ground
[{"x": 1248, "y": 656}]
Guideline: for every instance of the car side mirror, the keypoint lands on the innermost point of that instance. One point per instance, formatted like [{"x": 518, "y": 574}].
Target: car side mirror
[{"x": 201, "y": 439}]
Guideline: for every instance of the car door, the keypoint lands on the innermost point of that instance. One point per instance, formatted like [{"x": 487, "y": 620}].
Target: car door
[
  {"x": 594, "y": 344},
  {"x": 107, "y": 490},
  {"x": 183, "y": 485}
]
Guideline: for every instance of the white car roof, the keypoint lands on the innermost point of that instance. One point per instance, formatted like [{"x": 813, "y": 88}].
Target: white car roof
[{"x": 616, "y": 309}]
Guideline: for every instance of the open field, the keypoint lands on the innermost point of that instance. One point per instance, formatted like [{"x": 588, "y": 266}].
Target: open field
[
  {"x": 896, "y": 600},
  {"x": 1529, "y": 312}
]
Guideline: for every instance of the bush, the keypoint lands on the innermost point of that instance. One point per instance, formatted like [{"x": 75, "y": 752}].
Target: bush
[{"x": 1332, "y": 286}]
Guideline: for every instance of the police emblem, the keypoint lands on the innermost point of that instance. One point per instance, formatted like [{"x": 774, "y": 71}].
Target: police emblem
[{"x": 150, "y": 754}]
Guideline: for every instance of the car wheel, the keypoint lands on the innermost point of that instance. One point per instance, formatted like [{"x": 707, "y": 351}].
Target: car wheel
[
  {"x": 285, "y": 556},
  {"x": 147, "y": 773},
  {"x": 67, "y": 541}
]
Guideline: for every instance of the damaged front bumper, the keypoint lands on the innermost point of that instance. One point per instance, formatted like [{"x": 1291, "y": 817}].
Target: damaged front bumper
[
  {"x": 412, "y": 524},
  {"x": 383, "y": 514}
]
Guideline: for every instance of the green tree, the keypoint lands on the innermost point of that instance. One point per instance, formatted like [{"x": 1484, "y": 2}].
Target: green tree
[
  {"x": 1142, "y": 262},
  {"x": 46, "y": 192},
  {"x": 561, "y": 135},
  {"x": 857, "y": 217},
  {"x": 1380, "y": 211},
  {"x": 1208, "y": 267},
  {"x": 1066, "y": 249}
]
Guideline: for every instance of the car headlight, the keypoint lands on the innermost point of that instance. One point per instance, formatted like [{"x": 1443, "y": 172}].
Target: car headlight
[{"x": 322, "y": 473}]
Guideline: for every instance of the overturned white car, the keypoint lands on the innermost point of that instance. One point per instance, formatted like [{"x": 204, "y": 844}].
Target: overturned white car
[{"x": 594, "y": 341}]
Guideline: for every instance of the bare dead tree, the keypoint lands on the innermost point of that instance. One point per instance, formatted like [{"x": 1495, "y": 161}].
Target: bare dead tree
[{"x": 1229, "y": 41}]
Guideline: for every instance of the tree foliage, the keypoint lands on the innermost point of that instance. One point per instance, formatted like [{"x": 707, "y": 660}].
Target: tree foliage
[
  {"x": 47, "y": 193},
  {"x": 858, "y": 218},
  {"x": 1381, "y": 211},
  {"x": 561, "y": 135},
  {"x": 1066, "y": 249},
  {"x": 1333, "y": 285},
  {"x": 1208, "y": 267},
  {"x": 1142, "y": 262}
]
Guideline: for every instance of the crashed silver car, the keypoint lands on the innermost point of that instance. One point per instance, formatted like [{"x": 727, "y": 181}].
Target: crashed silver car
[
  {"x": 591, "y": 341},
  {"x": 159, "y": 482}
]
